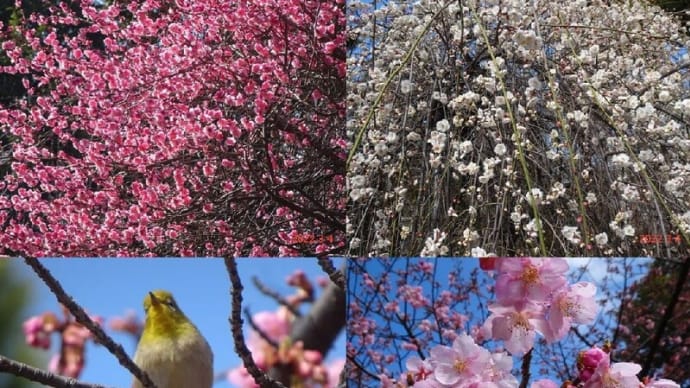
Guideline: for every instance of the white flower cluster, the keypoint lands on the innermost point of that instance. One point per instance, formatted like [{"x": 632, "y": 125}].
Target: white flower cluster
[
  {"x": 596, "y": 115},
  {"x": 434, "y": 245}
]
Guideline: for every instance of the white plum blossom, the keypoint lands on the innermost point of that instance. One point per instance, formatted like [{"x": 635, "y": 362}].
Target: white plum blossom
[
  {"x": 675, "y": 185},
  {"x": 413, "y": 137},
  {"x": 629, "y": 230},
  {"x": 478, "y": 252},
  {"x": 589, "y": 122},
  {"x": 557, "y": 191},
  {"x": 683, "y": 106},
  {"x": 630, "y": 193},
  {"x": 571, "y": 233},
  {"x": 664, "y": 96},
  {"x": 601, "y": 239},
  {"x": 527, "y": 39},
  {"x": 406, "y": 86},
  {"x": 437, "y": 141},
  {"x": 443, "y": 126},
  {"x": 535, "y": 194},
  {"x": 434, "y": 245},
  {"x": 620, "y": 160},
  {"x": 500, "y": 149}
]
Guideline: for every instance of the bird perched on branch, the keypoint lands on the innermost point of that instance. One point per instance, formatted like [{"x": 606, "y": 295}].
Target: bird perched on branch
[{"x": 171, "y": 350}]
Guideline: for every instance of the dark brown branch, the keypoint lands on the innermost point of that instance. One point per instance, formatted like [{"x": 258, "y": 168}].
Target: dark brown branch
[
  {"x": 84, "y": 319},
  {"x": 336, "y": 276},
  {"x": 668, "y": 313},
  {"x": 41, "y": 376},
  {"x": 527, "y": 359},
  {"x": 320, "y": 327},
  {"x": 261, "y": 378}
]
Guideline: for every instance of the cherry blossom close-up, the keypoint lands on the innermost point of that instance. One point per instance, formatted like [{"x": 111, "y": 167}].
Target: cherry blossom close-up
[
  {"x": 518, "y": 322},
  {"x": 345, "y": 193}
]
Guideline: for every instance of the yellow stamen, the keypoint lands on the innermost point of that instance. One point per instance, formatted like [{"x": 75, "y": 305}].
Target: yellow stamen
[
  {"x": 530, "y": 275},
  {"x": 459, "y": 365}
]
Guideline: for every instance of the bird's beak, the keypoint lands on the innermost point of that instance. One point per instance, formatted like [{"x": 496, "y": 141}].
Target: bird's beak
[{"x": 153, "y": 298}]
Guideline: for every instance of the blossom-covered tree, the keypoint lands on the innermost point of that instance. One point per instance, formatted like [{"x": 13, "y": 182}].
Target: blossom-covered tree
[
  {"x": 517, "y": 321},
  {"x": 548, "y": 128},
  {"x": 199, "y": 128}
]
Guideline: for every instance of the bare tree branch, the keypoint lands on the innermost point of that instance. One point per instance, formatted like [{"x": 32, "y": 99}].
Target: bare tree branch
[
  {"x": 41, "y": 376},
  {"x": 82, "y": 317},
  {"x": 261, "y": 378}
]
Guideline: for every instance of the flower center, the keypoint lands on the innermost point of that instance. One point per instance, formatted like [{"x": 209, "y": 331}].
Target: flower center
[
  {"x": 530, "y": 275},
  {"x": 567, "y": 307},
  {"x": 609, "y": 382},
  {"x": 460, "y": 366},
  {"x": 520, "y": 321}
]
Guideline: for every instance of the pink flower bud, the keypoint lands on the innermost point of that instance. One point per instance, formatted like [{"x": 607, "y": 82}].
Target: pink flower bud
[{"x": 588, "y": 361}]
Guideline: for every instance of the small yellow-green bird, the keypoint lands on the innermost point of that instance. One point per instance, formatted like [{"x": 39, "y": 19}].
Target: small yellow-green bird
[{"x": 171, "y": 350}]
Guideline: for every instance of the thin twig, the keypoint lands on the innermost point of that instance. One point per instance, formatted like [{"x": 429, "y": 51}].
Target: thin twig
[
  {"x": 257, "y": 329},
  {"x": 83, "y": 318},
  {"x": 261, "y": 378},
  {"x": 41, "y": 376},
  {"x": 264, "y": 289}
]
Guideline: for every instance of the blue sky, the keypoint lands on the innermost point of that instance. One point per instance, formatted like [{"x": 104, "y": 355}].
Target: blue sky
[
  {"x": 596, "y": 272},
  {"x": 112, "y": 287}
]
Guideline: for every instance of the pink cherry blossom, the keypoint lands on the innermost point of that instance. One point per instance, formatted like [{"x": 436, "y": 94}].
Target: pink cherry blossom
[
  {"x": 618, "y": 375},
  {"x": 662, "y": 383},
  {"x": 529, "y": 278},
  {"x": 576, "y": 304},
  {"x": 544, "y": 383},
  {"x": 464, "y": 361},
  {"x": 420, "y": 369},
  {"x": 241, "y": 378},
  {"x": 517, "y": 327},
  {"x": 589, "y": 360},
  {"x": 499, "y": 372},
  {"x": 335, "y": 368},
  {"x": 35, "y": 333}
]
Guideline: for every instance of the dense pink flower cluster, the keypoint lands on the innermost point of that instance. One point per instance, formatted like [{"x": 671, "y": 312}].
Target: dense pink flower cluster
[
  {"x": 200, "y": 128},
  {"x": 533, "y": 297}
]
